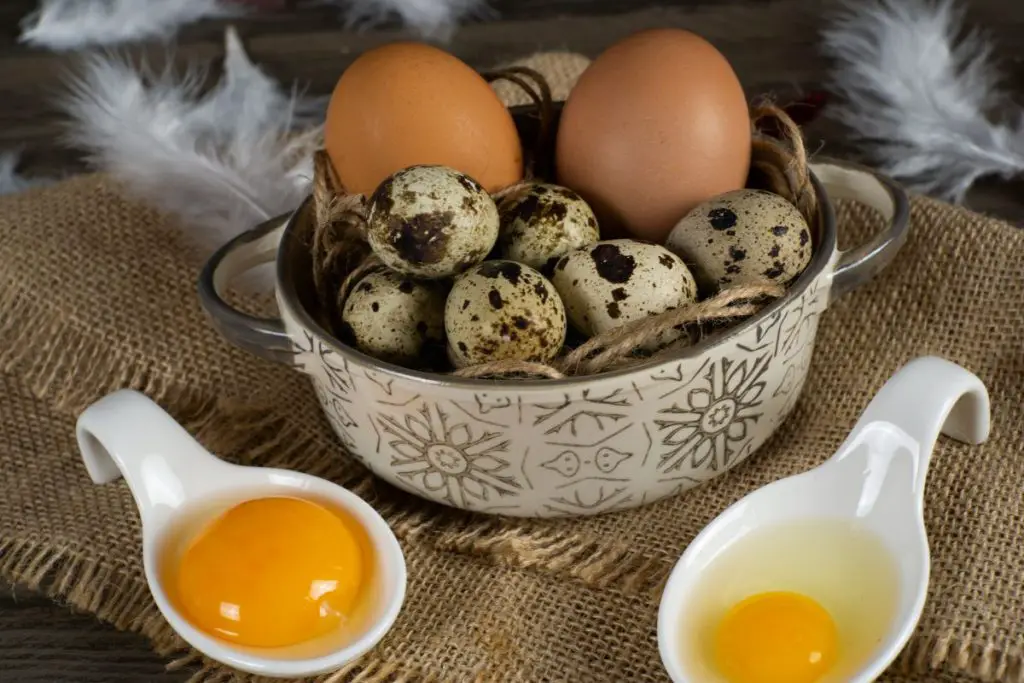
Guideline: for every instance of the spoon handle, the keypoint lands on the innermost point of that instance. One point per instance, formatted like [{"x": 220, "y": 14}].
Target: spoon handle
[
  {"x": 127, "y": 434},
  {"x": 926, "y": 397}
]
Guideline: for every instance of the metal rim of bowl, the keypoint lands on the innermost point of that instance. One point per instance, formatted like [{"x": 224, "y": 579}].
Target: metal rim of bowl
[{"x": 289, "y": 298}]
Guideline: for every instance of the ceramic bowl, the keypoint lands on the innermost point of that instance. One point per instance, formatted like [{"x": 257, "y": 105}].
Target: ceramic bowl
[{"x": 578, "y": 446}]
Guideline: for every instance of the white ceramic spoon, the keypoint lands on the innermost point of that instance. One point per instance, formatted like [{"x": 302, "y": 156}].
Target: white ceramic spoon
[
  {"x": 177, "y": 485},
  {"x": 876, "y": 478}
]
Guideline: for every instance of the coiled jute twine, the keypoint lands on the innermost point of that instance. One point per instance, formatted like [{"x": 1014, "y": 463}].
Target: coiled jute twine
[{"x": 341, "y": 254}]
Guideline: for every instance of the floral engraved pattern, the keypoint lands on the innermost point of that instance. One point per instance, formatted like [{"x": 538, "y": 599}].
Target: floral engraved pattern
[
  {"x": 495, "y": 409},
  {"x": 589, "y": 415},
  {"x": 579, "y": 449},
  {"x": 457, "y": 462},
  {"x": 799, "y": 325},
  {"x": 335, "y": 394},
  {"x": 599, "y": 499},
  {"x": 487, "y": 403},
  {"x": 609, "y": 459},
  {"x": 568, "y": 463},
  {"x": 336, "y": 407},
  {"x": 302, "y": 350},
  {"x": 711, "y": 425},
  {"x": 339, "y": 378}
]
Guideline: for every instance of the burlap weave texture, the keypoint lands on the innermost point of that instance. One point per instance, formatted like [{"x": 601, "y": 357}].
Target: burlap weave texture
[{"x": 97, "y": 293}]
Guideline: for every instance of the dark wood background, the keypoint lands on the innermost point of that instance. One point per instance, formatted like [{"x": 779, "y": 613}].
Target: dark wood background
[{"x": 771, "y": 43}]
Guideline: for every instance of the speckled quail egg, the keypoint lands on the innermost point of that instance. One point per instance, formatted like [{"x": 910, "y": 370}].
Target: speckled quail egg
[
  {"x": 540, "y": 222},
  {"x": 618, "y": 281},
  {"x": 396, "y": 318},
  {"x": 431, "y": 222},
  {"x": 500, "y": 310},
  {"x": 743, "y": 237}
]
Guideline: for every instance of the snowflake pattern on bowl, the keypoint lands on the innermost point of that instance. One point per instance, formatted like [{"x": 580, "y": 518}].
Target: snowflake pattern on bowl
[
  {"x": 439, "y": 454},
  {"x": 708, "y": 427},
  {"x": 602, "y": 445}
]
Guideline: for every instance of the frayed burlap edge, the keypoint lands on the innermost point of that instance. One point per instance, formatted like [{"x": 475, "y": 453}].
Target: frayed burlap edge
[
  {"x": 69, "y": 372},
  {"x": 124, "y": 603},
  {"x": 85, "y": 583},
  {"x": 60, "y": 365},
  {"x": 70, "y": 576}
]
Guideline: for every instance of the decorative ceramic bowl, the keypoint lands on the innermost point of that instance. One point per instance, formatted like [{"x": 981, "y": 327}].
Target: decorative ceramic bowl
[{"x": 578, "y": 446}]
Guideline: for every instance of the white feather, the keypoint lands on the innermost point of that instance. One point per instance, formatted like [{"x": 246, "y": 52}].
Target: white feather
[
  {"x": 74, "y": 24},
  {"x": 71, "y": 24},
  {"x": 11, "y": 181},
  {"x": 918, "y": 94},
  {"x": 431, "y": 18},
  {"x": 220, "y": 162}
]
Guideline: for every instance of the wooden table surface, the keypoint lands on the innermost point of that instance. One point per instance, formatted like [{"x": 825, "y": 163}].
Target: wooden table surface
[{"x": 771, "y": 43}]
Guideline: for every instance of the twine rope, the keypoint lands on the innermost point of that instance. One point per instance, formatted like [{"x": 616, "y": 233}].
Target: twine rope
[
  {"x": 341, "y": 254},
  {"x": 536, "y": 87},
  {"x": 339, "y": 246},
  {"x": 779, "y": 154},
  {"x": 615, "y": 348}
]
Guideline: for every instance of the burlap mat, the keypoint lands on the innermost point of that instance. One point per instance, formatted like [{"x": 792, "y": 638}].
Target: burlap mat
[{"x": 97, "y": 293}]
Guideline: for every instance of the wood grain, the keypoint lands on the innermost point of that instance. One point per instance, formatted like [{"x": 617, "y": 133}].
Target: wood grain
[
  {"x": 41, "y": 642},
  {"x": 772, "y": 44},
  {"x": 313, "y": 58}
]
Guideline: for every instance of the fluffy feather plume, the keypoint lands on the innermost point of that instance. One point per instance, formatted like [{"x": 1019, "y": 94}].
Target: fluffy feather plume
[
  {"x": 70, "y": 24},
  {"x": 11, "y": 181},
  {"x": 74, "y": 24},
  {"x": 920, "y": 91},
  {"x": 431, "y": 18},
  {"x": 221, "y": 162}
]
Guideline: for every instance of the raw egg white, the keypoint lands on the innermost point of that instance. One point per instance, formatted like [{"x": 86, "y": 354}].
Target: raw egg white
[{"x": 803, "y": 602}]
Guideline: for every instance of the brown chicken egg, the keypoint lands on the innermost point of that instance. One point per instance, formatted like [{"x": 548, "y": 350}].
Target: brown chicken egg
[
  {"x": 657, "y": 124},
  {"x": 408, "y": 104}
]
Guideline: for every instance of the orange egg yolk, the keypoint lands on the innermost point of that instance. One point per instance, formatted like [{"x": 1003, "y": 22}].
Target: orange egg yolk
[
  {"x": 273, "y": 572},
  {"x": 776, "y": 637}
]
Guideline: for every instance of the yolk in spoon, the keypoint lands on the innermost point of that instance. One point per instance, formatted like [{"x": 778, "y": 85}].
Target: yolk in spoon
[
  {"x": 776, "y": 637},
  {"x": 272, "y": 572}
]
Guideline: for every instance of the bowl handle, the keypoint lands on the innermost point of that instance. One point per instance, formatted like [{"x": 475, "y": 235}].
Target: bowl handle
[
  {"x": 264, "y": 337},
  {"x": 843, "y": 180}
]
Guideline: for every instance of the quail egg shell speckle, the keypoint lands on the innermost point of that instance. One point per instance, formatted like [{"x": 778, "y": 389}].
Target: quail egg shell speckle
[
  {"x": 397, "y": 319},
  {"x": 615, "y": 282},
  {"x": 431, "y": 222},
  {"x": 743, "y": 237},
  {"x": 540, "y": 222},
  {"x": 501, "y": 310}
]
